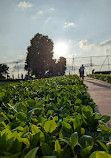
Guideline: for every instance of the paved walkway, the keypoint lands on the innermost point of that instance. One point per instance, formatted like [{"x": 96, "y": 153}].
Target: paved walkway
[{"x": 100, "y": 92}]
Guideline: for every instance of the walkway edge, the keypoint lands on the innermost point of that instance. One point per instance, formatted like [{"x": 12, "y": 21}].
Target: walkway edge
[{"x": 106, "y": 83}]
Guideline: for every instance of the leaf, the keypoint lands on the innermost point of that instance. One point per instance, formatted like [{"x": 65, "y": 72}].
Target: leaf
[
  {"x": 48, "y": 98},
  {"x": 5, "y": 116},
  {"x": 55, "y": 118},
  {"x": 33, "y": 110},
  {"x": 85, "y": 141},
  {"x": 77, "y": 122},
  {"x": 2, "y": 95},
  {"x": 105, "y": 129},
  {"x": 50, "y": 126},
  {"x": 21, "y": 107},
  {"x": 60, "y": 134},
  {"x": 34, "y": 139},
  {"x": 57, "y": 146},
  {"x": 86, "y": 151},
  {"x": 21, "y": 116},
  {"x": 108, "y": 145},
  {"x": 20, "y": 128},
  {"x": 65, "y": 139},
  {"x": 78, "y": 101},
  {"x": 66, "y": 126},
  {"x": 87, "y": 111},
  {"x": 100, "y": 154},
  {"x": 105, "y": 118},
  {"x": 31, "y": 102},
  {"x": 66, "y": 152},
  {"x": 45, "y": 149},
  {"x": 73, "y": 140},
  {"x": 3, "y": 142},
  {"x": 16, "y": 146},
  {"x": 32, "y": 153},
  {"x": 36, "y": 130},
  {"x": 26, "y": 142},
  {"x": 103, "y": 145},
  {"x": 82, "y": 131}
]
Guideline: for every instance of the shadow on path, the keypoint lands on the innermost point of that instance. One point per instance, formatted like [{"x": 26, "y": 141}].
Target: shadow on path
[{"x": 97, "y": 84}]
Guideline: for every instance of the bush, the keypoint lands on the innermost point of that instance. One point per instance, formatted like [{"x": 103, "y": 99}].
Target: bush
[{"x": 103, "y": 77}]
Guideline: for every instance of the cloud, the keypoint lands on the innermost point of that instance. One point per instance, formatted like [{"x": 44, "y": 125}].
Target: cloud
[
  {"x": 48, "y": 20},
  {"x": 51, "y": 10},
  {"x": 106, "y": 43},
  {"x": 92, "y": 49},
  {"x": 4, "y": 59},
  {"x": 71, "y": 24},
  {"x": 43, "y": 12},
  {"x": 83, "y": 44},
  {"x": 38, "y": 14},
  {"x": 24, "y": 5}
]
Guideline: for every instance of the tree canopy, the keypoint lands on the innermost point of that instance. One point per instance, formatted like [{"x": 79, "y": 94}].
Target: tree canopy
[
  {"x": 58, "y": 68},
  {"x": 3, "y": 71},
  {"x": 39, "y": 55},
  {"x": 61, "y": 65},
  {"x": 39, "y": 58}
]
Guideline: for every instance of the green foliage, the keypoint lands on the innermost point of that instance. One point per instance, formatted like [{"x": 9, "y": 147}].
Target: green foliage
[
  {"x": 3, "y": 71},
  {"x": 51, "y": 118},
  {"x": 103, "y": 77}
]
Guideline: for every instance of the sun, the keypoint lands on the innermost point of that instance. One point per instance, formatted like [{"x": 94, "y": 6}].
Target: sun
[{"x": 60, "y": 49}]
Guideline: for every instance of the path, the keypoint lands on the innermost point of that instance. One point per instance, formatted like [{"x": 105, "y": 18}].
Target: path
[{"x": 100, "y": 92}]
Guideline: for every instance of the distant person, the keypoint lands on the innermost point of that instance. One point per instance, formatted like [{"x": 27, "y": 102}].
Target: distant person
[
  {"x": 58, "y": 73},
  {"x": 27, "y": 77},
  {"x": 13, "y": 77},
  {"x": 81, "y": 72},
  {"x": 22, "y": 76},
  {"x": 93, "y": 71}
]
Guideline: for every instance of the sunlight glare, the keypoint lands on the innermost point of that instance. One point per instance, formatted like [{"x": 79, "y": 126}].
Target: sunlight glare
[{"x": 60, "y": 49}]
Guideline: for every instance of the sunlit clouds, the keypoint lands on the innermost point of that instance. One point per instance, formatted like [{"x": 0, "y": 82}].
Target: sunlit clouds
[
  {"x": 51, "y": 10},
  {"x": 92, "y": 49},
  {"x": 69, "y": 25},
  {"x": 102, "y": 48},
  {"x": 24, "y": 5},
  {"x": 106, "y": 43},
  {"x": 42, "y": 12},
  {"x": 86, "y": 46}
]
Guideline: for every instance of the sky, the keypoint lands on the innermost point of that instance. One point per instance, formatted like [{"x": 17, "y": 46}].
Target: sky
[{"x": 76, "y": 27}]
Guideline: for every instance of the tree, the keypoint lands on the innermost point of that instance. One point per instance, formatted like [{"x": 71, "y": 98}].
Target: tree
[
  {"x": 58, "y": 68},
  {"x": 39, "y": 55},
  {"x": 61, "y": 65},
  {"x": 52, "y": 68},
  {"x": 3, "y": 71}
]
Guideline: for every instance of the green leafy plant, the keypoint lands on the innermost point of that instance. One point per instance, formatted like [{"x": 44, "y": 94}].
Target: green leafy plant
[{"x": 51, "y": 118}]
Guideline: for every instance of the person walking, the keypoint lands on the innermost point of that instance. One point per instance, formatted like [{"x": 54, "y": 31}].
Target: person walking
[{"x": 81, "y": 71}]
